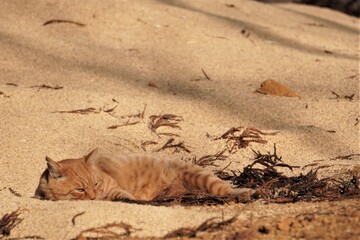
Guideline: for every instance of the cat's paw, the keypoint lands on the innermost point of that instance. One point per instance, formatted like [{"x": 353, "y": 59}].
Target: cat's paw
[
  {"x": 119, "y": 194},
  {"x": 245, "y": 194}
]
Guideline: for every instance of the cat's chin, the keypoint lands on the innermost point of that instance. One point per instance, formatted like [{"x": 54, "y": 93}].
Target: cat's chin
[{"x": 39, "y": 194}]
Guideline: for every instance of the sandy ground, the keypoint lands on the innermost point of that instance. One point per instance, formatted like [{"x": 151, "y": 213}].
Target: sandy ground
[{"x": 132, "y": 54}]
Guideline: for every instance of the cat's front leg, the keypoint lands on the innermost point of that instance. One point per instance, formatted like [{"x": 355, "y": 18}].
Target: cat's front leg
[{"x": 116, "y": 194}]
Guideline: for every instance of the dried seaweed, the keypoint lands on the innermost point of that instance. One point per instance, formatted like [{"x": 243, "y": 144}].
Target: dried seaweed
[
  {"x": 236, "y": 139},
  {"x": 80, "y": 111},
  {"x": 75, "y": 216},
  {"x": 274, "y": 186},
  {"x": 176, "y": 146},
  {"x": 44, "y": 86},
  {"x": 108, "y": 231},
  {"x": 209, "y": 160},
  {"x": 210, "y": 225},
  {"x": 164, "y": 120},
  {"x": 8, "y": 222},
  {"x": 63, "y": 21}
]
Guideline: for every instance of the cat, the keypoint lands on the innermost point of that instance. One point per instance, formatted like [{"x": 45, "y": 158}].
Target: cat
[{"x": 100, "y": 176}]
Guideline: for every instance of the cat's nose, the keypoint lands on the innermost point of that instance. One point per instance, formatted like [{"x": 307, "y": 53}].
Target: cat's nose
[{"x": 92, "y": 195}]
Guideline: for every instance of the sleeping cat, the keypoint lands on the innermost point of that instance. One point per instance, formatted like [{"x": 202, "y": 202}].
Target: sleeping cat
[{"x": 136, "y": 177}]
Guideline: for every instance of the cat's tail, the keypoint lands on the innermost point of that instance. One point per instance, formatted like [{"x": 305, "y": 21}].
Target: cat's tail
[{"x": 204, "y": 181}]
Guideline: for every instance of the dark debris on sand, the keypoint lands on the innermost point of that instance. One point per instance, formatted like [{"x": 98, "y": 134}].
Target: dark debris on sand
[
  {"x": 237, "y": 138},
  {"x": 210, "y": 225},
  {"x": 274, "y": 186},
  {"x": 8, "y": 222}
]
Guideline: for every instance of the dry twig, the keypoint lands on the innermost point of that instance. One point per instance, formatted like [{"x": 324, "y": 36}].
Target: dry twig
[
  {"x": 63, "y": 21},
  {"x": 206, "y": 76},
  {"x": 75, "y": 216},
  {"x": 346, "y": 97},
  {"x": 127, "y": 123},
  {"x": 80, "y": 111},
  {"x": 14, "y": 192}
]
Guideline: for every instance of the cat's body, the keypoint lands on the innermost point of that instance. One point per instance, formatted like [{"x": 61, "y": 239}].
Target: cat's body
[{"x": 136, "y": 177}]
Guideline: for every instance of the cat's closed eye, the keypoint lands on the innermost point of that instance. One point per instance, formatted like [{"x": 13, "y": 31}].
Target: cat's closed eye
[
  {"x": 97, "y": 184},
  {"x": 81, "y": 190}
]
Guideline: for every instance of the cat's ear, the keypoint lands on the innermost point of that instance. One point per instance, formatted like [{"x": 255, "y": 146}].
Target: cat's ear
[
  {"x": 53, "y": 167},
  {"x": 93, "y": 156}
]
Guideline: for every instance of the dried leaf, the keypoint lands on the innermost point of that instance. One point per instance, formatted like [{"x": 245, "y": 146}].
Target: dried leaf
[{"x": 272, "y": 87}]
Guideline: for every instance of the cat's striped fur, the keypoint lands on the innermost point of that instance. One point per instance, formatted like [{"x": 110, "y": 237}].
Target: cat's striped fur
[{"x": 137, "y": 177}]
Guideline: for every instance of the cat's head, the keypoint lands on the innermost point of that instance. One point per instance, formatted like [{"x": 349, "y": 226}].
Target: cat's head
[{"x": 70, "y": 179}]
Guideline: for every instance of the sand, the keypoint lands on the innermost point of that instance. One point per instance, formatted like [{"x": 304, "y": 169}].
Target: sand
[{"x": 132, "y": 54}]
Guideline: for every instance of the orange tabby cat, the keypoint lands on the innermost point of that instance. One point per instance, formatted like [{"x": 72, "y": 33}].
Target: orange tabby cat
[{"x": 137, "y": 177}]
